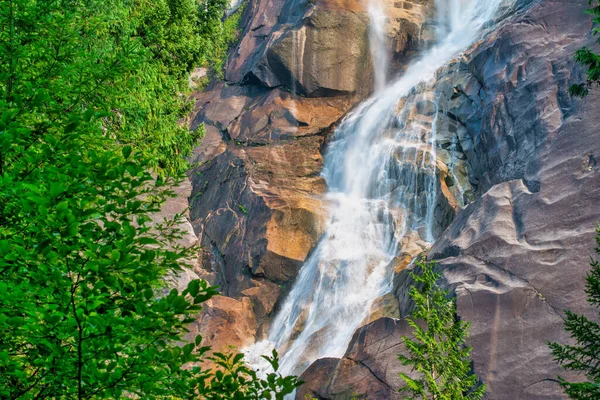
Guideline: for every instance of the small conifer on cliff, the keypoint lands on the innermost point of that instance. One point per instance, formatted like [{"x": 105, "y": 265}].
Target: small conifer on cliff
[{"x": 437, "y": 351}]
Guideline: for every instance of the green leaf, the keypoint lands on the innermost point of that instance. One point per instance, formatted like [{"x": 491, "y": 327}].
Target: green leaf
[
  {"x": 194, "y": 287},
  {"x": 88, "y": 115},
  {"x": 71, "y": 127},
  {"x": 115, "y": 255},
  {"x": 126, "y": 152}
]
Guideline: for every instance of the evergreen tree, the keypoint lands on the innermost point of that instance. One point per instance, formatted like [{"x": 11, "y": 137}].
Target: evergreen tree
[
  {"x": 84, "y": 309},
  {"x": 587, "y": 58},
  {"x": 437, "y": 352},
  {"x": 584, "y": 355}
]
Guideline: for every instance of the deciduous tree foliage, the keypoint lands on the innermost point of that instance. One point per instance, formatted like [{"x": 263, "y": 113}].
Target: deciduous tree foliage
[
  {"x": 437, "y": 352},
  {"x": 89, "y": 105},
  {"x": 583, "y": 355},
  {"x": 587, "y": 58}
]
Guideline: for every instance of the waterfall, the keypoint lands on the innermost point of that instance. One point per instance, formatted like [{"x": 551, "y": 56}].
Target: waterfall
[
  {"x": 377, "y": 44},
  {"x": 381, "y": 171}
]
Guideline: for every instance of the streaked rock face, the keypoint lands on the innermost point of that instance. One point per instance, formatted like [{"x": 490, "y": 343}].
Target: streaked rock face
[{"x": 320, "y": 48}]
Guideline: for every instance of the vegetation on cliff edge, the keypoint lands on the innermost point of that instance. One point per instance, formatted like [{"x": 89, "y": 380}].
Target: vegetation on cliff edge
[{"x": 587, "y": 58}]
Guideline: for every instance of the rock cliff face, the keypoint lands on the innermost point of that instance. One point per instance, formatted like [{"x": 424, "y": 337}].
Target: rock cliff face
[
  {"x": 525, "y": 151},
  {"x": 256, "y": 203}
]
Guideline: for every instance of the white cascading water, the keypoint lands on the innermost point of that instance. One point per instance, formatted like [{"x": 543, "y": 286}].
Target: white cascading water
[
  {"x": 377, "y": 44},
  {"x": 381, "y": 175}
]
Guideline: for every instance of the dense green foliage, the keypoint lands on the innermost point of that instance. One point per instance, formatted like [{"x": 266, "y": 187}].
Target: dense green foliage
[
  {"x": 236, "y": 381},
  {"x": 89, "y": 103},
  {"x": 227, "y": 37},
  {"x": 587, "y": 58},
  {"x": 437, "y": 352},
  {"x": 129, "y": 57},
  {"x": 584, "y": 355}
]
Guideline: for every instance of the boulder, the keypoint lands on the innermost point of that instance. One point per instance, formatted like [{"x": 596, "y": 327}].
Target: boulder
[
  {"x": 369, "y": 370},
  {"x": 321, "y": 48}
]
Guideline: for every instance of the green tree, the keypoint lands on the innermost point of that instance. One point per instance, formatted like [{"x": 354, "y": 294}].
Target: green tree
[
  {"x": 235, "y": 380},
  {"x": 176, "y": 36},
  {"x": 85, "y": 311},
  {"x": 584, "y": 355},
  {"x": 227, "y": 37},
  {"x": 437, "y": 352},
  {"x": 587, "y": 58},
  {"x": 131, "y": 58}
]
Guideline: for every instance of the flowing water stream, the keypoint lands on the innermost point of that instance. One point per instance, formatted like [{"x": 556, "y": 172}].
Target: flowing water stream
[{"x": 383, "y": 184}]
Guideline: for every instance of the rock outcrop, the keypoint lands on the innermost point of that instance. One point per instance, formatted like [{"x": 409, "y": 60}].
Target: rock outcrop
[
  {"x": 410, "y": 28},
  {"x": 369, "y": 369},
  {"x": 313, "y": 48},
  {"x": 255, "y": 202},
  {"x": 320, "y": 48}
]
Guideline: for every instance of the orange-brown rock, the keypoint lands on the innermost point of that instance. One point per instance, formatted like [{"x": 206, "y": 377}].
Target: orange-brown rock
[
  {"x": 264, "y": 172},
  {"x": 256, "y": 203},
  {"x": 225, "y": 324}
]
